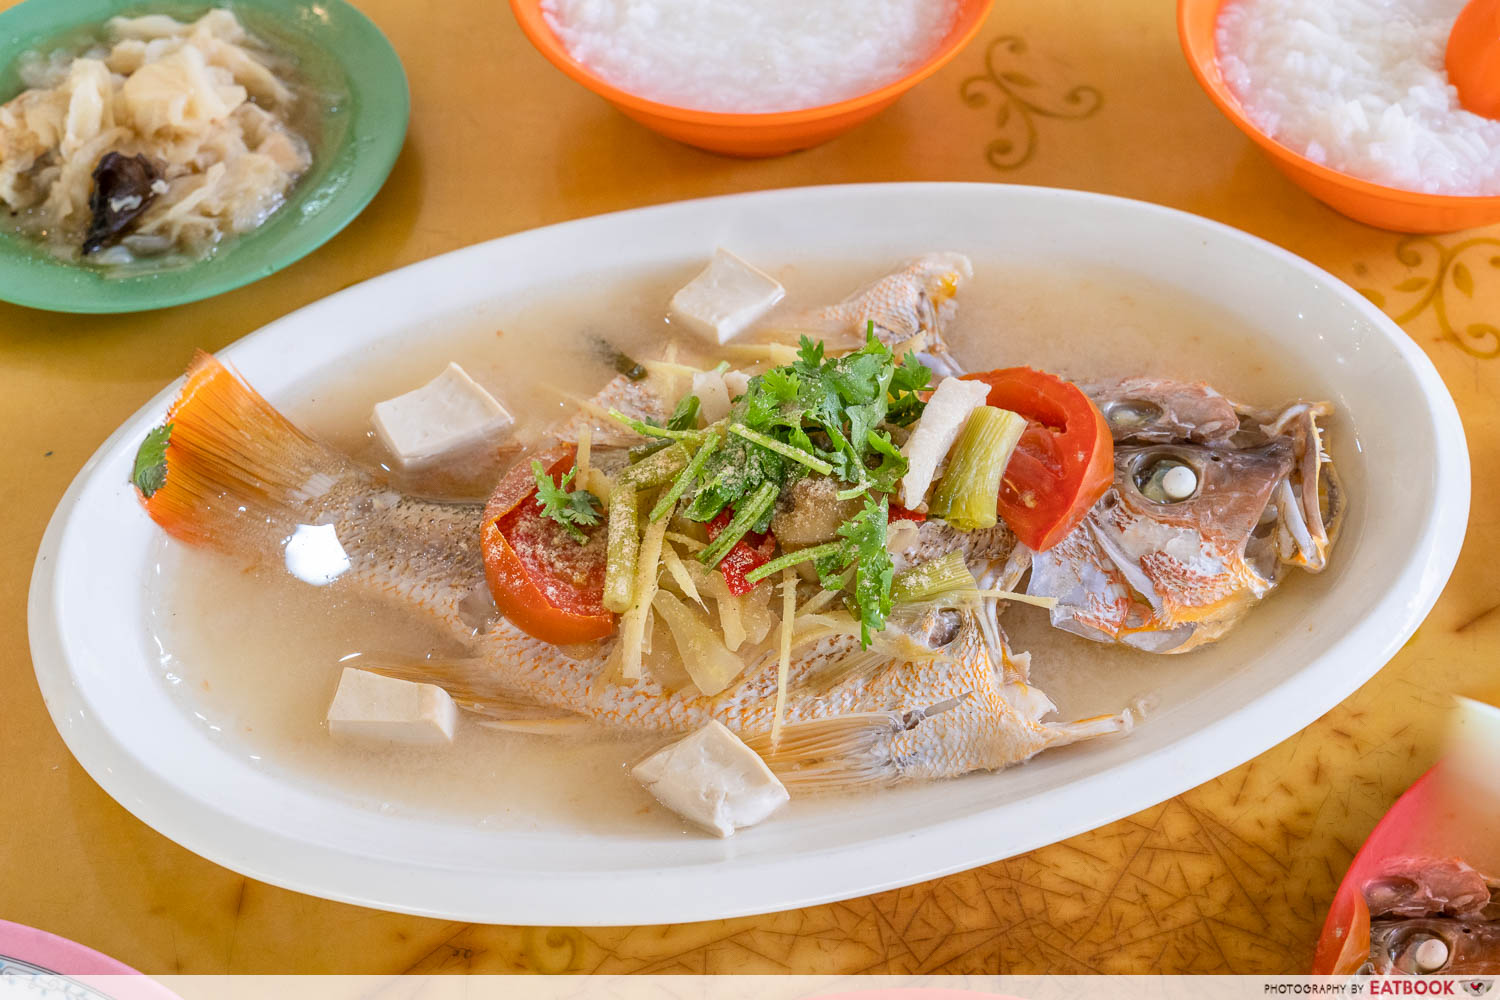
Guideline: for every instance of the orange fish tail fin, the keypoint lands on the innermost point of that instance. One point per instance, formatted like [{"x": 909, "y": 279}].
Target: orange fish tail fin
[{"x": 226, "y": 469}]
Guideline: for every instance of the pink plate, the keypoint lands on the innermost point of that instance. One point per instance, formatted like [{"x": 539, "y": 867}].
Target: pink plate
[{"x": 28, "y": 951}]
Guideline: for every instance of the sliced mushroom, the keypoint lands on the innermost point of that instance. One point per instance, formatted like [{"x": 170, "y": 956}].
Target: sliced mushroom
[{"x": 122, "y": 193}]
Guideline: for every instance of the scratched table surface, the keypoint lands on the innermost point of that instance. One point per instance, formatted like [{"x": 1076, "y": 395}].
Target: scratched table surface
[{"x": 1233, "y": 876}]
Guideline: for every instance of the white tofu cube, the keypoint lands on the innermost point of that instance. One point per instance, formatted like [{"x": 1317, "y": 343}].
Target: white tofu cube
[
  {"x": 448, "y": 414},
  {"x": 368, "y": 706},
  {"x": 713, "y": 779},
  {"x": 726, "y": 298}
]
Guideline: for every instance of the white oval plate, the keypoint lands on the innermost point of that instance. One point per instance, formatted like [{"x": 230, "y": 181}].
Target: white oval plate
[{"x": 87, "y": 610}]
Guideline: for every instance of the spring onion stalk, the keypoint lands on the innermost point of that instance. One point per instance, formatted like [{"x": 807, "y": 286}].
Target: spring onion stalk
[
  {"x": 749, "y": 513},
  {"x": 969, "y": 491},
  {"x": 633, "y": 628},
  {"x": 933, "y": 578},
  {"x": 685, "y": 478},
  {"x": 790, "y": 559},
  {"x": 651, "y": 430},
  {"x": 623, "y": 548},
  {"x": 813, "y": 462},
  {"x": 852, "y": 492},
  {"x": 784, "y": 661},
  {"x": 654, "y": 470}
]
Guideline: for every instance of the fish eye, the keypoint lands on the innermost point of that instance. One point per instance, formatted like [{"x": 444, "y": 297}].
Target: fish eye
[
  {"x": 1166, "y": 478},
  {"x": 1128, "y": 415},
  {"x": 1419, "y": 951}
]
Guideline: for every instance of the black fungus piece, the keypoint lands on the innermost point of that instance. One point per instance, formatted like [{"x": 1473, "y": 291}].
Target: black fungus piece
[
  {"x": 619, "y": 360},
  {"x": 122, "y": 192}
]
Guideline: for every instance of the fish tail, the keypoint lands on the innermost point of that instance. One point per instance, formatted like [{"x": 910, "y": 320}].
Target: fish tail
[{"x": 226, "y": 469}]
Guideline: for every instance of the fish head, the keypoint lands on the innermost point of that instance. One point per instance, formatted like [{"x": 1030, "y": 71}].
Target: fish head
[
  {"x": 1163, "y": 574},
  {"x": 1212, "y": 503}
]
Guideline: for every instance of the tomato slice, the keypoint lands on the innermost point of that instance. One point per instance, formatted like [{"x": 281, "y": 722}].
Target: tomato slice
[
  {"x": 547, "y": 584},
  {"x": 750, "y": 552},
  {"x": 1064, "y": 462}
]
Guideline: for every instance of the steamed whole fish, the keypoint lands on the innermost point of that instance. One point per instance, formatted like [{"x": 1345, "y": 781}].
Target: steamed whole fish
[
  {"x": 238, "y": 476},
  {"x": 939, "y": 693}
]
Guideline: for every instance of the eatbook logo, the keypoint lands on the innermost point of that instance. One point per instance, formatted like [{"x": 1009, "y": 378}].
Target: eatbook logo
[{"x": 1478, "y": 987}]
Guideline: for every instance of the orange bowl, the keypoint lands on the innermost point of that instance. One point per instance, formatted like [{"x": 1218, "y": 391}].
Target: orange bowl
[
  {"x": 1373, "y": 204},
  {"x": 768, "y": 134}
]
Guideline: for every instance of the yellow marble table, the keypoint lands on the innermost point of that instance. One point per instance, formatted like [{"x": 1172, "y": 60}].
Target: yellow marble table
[{"x": 1233, "y": 876}]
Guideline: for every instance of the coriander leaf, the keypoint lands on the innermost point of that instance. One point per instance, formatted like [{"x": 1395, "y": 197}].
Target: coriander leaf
[
  {"x": 810, "y": 352},
  {"x": 781, "y": 384},
  {"x": 567, "y": 509},
  {"x": 864, "y": 547},
  {"x": 911, "y": 378},
  {"x": 892, "y": 465},
  {"x": 685, "y": 416},
  {"x": 150, "y": 473}
]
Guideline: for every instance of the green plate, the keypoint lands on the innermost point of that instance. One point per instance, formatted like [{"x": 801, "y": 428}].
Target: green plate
[{"x": 342, "y": 57}]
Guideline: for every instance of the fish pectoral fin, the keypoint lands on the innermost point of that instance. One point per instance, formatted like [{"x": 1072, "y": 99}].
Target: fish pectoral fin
[
  {"x": 570, "y": 725},
  {"x": 1062, "y": 734},
  {"x": 840, "y": 753},
  {"x": 471, "y": 683},
  {"x": 830, "y": 755}
]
